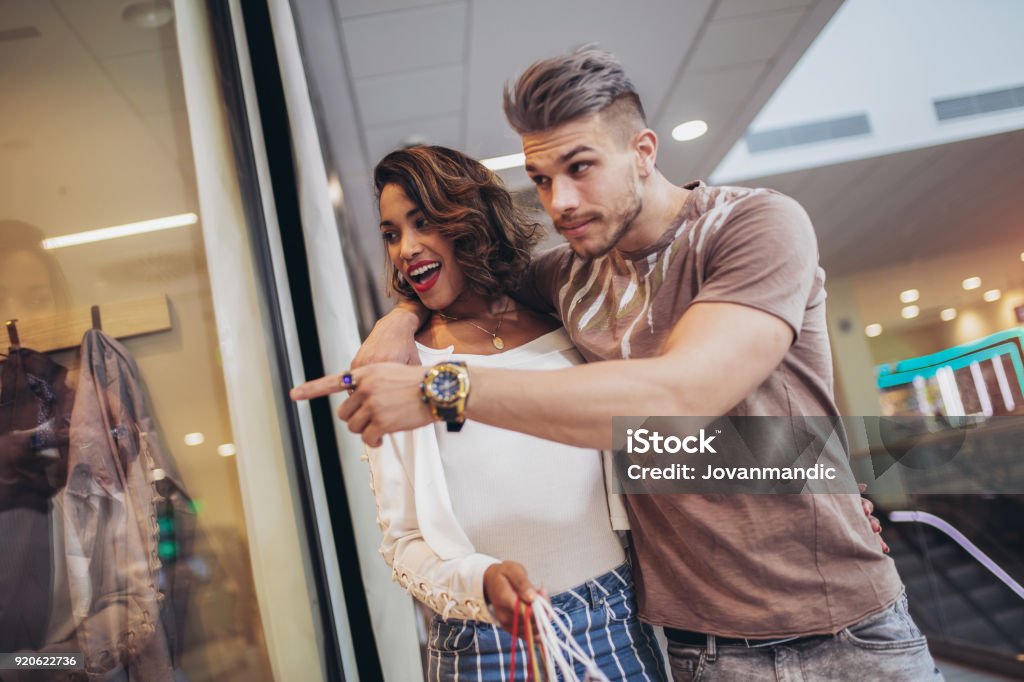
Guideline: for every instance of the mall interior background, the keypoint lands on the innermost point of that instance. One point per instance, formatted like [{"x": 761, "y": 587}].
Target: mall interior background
[{"x": 898, "y": 125}]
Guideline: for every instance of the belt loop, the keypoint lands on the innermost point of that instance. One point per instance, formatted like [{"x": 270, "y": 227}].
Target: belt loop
[
  {"x": 596, "y": 596},
  {"x": 712, "y": 649}
]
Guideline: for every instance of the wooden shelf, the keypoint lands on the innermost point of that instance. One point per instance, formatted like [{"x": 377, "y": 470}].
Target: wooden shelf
[{"x": 121, "y": 319}]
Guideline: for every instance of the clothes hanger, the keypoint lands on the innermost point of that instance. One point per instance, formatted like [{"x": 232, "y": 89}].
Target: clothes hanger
[{"x": 12, "y": 334}]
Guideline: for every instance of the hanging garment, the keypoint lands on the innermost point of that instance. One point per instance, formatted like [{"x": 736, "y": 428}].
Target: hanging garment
[
  {"x": 128, "y": 587},
  {"x": 35, "y": 405}
]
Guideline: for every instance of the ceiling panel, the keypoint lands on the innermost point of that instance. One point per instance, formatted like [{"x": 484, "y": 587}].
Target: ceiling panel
[
  {"x": 743, "y": 40},
  {"x": 443, "y": 130},
  {"x": 901, "y": 208},
  {"x": 151, "y": 81},
  {"x": 99, "y": 25},
  {"x": 358, "y": 8},
  {"x": 410, "y": 95},
  {"x": 714, "y": 98},
  {"x": 728, "y": 9},
  {"x": 412, "y": 39}
]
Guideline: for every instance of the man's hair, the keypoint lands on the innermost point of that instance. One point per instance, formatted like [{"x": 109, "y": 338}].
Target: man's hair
[
  {"x": 560, "y": 89},
  {"x": 466, "y": 203}
]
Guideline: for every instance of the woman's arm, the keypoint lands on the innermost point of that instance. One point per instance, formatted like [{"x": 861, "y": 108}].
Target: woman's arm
[{"x": 453, "y": 587}]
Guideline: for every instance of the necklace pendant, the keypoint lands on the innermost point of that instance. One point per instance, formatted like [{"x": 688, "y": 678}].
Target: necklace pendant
[{"x": 498, "y": 343}]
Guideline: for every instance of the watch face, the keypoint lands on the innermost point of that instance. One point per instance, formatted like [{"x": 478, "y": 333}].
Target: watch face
[{"x": 444, "y": 386}]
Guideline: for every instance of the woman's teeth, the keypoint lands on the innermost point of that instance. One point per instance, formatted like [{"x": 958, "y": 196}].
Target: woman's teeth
[{"x": 421, "y": 273}]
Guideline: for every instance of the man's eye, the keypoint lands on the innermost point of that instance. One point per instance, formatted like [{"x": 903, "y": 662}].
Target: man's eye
[
  {"x": 579, "y": 167},
  {"x": 539, "y": 180}
]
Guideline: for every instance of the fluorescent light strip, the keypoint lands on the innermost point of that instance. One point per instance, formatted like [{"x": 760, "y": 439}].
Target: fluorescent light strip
[
  {"x": 497, "y": 163},
  {"x": 166, "y": 223}
]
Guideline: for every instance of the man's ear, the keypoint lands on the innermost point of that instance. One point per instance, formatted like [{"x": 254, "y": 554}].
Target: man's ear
[{"x": 645, "y": 143}]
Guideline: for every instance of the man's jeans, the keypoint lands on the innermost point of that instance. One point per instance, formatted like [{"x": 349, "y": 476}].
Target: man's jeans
[{"x": 886, "y": 646}]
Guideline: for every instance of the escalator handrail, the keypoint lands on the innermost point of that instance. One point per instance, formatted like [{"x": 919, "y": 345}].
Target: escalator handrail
[{"x": 962, "y": 540}]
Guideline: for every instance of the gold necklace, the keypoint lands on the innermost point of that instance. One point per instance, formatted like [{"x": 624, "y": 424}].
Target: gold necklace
[{"x": 495, "y": 339}]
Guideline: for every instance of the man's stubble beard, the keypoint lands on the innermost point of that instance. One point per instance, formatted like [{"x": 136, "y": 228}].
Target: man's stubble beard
[{"x": 628, "y": 216}]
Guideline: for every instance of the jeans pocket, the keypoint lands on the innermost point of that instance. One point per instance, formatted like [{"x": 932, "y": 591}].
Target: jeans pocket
[
  {"x": 451, "y": 637},
  {"x": 685, "y": 662},
  {"x": 888, "y": 630}
]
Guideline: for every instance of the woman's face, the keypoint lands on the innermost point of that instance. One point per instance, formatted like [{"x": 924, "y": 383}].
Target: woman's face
[
  {"x": 25, "y": 288},
  {"x": 425, "y": 258}
]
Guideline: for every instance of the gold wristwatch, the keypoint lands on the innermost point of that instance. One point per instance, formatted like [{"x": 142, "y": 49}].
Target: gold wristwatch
[{"x": 445, "y": 389}]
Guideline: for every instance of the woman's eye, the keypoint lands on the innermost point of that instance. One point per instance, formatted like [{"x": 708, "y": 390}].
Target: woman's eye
[
  {"x": 421, "y": 224},
  {"x": 388, "y": 236},
  {"x": 539, "y": 180}
]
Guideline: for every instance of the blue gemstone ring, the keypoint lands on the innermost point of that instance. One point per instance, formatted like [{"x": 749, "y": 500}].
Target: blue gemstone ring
[{"x": 346, "y": 382}]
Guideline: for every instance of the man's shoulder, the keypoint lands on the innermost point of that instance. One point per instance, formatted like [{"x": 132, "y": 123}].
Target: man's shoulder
[
  {"x": 552, "y": 257},
  {"x": 716, "y": 198},
  {"x": 756, "y": 209}
]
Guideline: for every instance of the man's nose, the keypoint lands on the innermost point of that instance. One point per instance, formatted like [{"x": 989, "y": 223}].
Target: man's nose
[{"x": 564, "y": 197}]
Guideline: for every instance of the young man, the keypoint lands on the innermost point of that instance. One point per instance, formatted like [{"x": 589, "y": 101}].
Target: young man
[{"x": 698, "y": 301}]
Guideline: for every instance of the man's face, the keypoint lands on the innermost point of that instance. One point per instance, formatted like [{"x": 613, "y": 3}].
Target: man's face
[{"x": 588, "y": 182}]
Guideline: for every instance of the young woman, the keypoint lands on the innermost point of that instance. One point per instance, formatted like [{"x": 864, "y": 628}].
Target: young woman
[{"x": 459, "y": 527}]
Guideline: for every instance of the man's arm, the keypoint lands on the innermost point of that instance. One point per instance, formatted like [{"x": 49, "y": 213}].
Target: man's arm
[
  {"x": 392, "y": 338},
  {"x": 716, "y": 355}
]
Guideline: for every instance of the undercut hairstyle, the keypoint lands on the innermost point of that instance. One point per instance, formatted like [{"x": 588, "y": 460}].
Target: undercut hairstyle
[
  {"x": 466, "y": 203},
  {"x": 560, "y": 89}
]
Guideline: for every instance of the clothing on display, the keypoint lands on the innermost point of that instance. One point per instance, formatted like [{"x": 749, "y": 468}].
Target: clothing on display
[
  {"x": 127, "y": 602},
  {"x": 35, "y": 407},
  {"x": 95, "y": 522}
]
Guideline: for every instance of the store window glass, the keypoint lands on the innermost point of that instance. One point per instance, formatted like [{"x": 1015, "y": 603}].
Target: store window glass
[{"x": 123, "y": 533}]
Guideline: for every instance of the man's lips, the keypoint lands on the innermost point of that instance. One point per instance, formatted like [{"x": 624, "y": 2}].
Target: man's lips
[{"x": 575, "y": 229}]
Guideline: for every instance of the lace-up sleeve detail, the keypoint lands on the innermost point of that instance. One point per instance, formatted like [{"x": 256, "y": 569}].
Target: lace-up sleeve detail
[{"x": 451, "y": 587}]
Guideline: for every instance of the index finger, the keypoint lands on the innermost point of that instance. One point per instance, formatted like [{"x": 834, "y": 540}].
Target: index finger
[{"x": 317, "y": 388}]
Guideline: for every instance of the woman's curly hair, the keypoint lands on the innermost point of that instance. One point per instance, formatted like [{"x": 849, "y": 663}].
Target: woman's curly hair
[{"x": 468, "y": 204}]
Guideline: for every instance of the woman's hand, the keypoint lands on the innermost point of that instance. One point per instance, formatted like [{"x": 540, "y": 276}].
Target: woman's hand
[
  {"x": 504, "y": 583},
  {"x": 386, "y": 399},
  {"x": 868, "y": 506}
]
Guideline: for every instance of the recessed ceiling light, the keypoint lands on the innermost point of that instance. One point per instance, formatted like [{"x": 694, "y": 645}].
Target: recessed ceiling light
[
  {"x": 690, "y": 130},
  {"x": 1022, "y": 256},
  {"x": 497, "y": 163},
  {"x": 148, "y": 14},
  {"x": 972, "y": 283},
  {"x": 909, "y": 296},
  {"x": 126, "y": 230},
  {"x": 194, "y": 438},
  {"x": 992, "y": 295},
  {"x": 226, "y": 449},
  {"x": 910, "y": 312},
  {"x": 873, "y": 330},
  {"x": 948, "y": 314}
]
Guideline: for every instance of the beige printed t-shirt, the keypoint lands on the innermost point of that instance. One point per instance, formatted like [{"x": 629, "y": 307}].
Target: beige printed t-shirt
[{"x": 757, "y": 566}]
